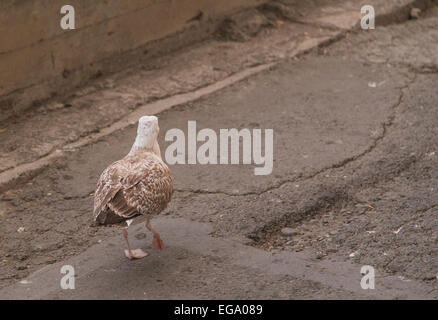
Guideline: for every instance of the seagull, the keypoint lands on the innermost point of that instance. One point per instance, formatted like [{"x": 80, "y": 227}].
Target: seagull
[{"x": 140, "y": 184}]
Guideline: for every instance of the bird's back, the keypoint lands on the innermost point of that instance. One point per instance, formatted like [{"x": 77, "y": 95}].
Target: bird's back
[{"x": 139, "y": 184}]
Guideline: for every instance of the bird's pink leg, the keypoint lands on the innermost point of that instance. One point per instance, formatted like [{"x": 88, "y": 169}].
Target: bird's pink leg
[
  {"x": 132, "y": 254},
  {"x": 157, "y": 243}
]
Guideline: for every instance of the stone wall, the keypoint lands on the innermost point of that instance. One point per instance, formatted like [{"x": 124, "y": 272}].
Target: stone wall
[{"x": 39, "y": 60}]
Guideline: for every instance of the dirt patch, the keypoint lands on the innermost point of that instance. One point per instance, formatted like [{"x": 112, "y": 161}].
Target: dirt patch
[{"x": 243, "y": 26}]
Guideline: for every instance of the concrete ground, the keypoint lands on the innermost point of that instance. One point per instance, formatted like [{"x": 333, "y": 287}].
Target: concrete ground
[{"x": 355, "y": 167}]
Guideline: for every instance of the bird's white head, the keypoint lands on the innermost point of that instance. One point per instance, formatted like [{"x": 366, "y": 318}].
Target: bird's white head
[
  {"x": 147, "y": 134},
  {"x": 148, "y": 127}
]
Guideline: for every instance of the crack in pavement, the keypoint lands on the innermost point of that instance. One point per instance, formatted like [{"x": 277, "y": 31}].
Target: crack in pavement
[{"x": 385, "y": 126}]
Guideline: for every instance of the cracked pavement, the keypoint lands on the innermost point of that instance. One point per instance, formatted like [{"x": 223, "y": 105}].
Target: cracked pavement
[{"x": 355, "y": 169}]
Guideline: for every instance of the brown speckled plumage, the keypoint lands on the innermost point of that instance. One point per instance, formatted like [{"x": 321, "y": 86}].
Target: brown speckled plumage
[{"x": 139, "y": 184}]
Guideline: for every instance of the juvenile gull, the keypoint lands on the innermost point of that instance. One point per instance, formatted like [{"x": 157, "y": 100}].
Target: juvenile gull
[{"x": 140, "y": 184}]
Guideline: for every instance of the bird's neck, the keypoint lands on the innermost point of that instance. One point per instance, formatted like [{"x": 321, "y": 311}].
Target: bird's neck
[{"x": 141, "y": 144}]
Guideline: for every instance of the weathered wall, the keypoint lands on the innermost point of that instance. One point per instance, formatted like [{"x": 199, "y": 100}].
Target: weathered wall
[{"x": 38, "y": 59}]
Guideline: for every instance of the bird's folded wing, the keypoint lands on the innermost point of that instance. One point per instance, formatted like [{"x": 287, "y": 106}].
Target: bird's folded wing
[
  {"x": 153, "y": 192},
  {"x": 120, "y": 206},
  {"x": 110, "y": 182},
  {"x": 149, "y": 187},
  {"x": 133, "y": 186}
]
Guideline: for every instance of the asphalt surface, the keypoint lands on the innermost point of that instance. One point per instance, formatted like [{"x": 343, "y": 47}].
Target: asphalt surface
[{"x": 355, "y": 158}]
